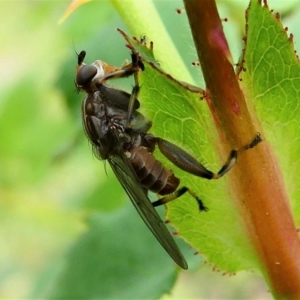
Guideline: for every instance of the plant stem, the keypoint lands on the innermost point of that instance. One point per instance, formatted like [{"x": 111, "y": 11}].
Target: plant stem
[
  {"x": 256, "y": 180},
  {"x": 142, "y": 19}
]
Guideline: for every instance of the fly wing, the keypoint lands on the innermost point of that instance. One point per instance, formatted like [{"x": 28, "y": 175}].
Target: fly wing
[{"x": 126, "y": 175}]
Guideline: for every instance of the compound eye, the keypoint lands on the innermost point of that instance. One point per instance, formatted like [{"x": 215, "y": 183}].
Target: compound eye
[{"x": 85, "y": 74}]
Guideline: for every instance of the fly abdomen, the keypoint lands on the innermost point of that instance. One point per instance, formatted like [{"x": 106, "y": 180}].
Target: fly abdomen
[{"x": 151, "y": 173}]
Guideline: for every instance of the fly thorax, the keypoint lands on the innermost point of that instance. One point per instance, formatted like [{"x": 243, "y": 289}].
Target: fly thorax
[
  {"x": 139, "y": 123},
  {"x": 125, "y": 138},
  {"x": 94, "y": 106},
  {"x": 100, "y": 70},
  {"x": 117, "y": 116}
]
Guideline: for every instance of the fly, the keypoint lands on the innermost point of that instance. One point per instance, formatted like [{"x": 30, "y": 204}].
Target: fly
[{"x": 119, "y": 134}]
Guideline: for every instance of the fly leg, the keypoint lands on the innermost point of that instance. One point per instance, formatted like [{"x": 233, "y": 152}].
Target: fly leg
[
  {"x": 112, "y": 72},
  {"x": 231, "y": 160},
  {"x": 137, "y": 64},
  {"x": 128, "y": 70},
  {"x": 176, "y": 195},
  {"x": 189, "y": 164}
]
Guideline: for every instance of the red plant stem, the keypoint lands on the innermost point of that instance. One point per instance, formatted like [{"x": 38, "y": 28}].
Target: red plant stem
[{"x": 256, "y": 180}]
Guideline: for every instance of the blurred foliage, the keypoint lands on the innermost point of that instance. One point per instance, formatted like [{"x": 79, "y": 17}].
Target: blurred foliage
[{"x": 52, "y": 189}]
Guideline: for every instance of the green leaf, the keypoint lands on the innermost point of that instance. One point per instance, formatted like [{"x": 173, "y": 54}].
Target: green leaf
[
  {"x": 181, "y": 117},
  {"x": 272, "y": 85}
]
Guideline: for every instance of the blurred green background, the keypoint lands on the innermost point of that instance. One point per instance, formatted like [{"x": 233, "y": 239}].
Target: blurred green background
[{"x": 67, "y": 229}]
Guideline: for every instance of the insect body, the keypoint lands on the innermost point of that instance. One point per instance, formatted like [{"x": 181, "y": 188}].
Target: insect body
[{"x": 119, "y": 134}]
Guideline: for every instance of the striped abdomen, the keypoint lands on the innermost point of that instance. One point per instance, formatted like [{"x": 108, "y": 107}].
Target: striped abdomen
[{"x": 151, "y": 173}]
